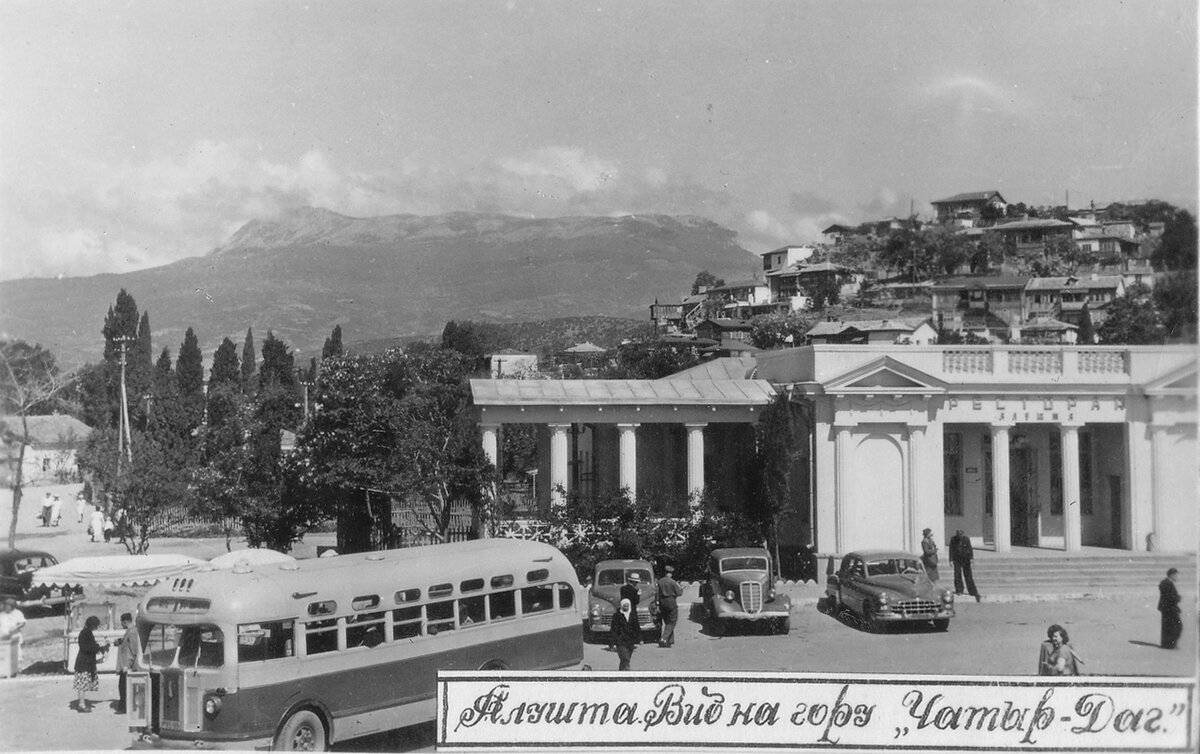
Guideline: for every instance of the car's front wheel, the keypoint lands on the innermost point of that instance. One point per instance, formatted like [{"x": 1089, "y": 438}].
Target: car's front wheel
[
  {"x": 783, "y": 625},
  {"x": 942, "y": 624},
  {"x": 871, "y": 620}
]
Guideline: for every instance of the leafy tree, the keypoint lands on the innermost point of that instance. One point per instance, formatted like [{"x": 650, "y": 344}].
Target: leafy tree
[
  {"x": 911, "y": 252},
  {"x": 650, "y": 359},
  {"x": 988, "y": 253},
  {"x": 773, "y": 330},
  {"x": 189, "y": 374},
  {"x": 1132, "y": 320},
  {"x": 1177, "y": 247},
  {"x": 823, "y": 290},
  {"x": 706, "y": 280},
  {"x": 333, "y": 344},
  {"x": 249, "y": 364},
  {"x": 469, "y": 339},
  {"x": 859, "y": 252},
  {"x": 1175, "y": 300},
  {"x": 951, "y": 249},
  {"x": 30, "y": 384}
]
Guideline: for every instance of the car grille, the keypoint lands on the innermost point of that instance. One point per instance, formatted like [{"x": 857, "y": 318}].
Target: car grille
[
  {"x": 752, "y": 596},
  {"x": 643, "y": 613},
  {"x": 917, "y": 607}
]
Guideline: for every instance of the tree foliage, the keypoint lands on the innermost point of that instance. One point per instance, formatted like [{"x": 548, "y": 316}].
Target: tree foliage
[
  {"x": 1176, "y": 248},
  {"x": 189, "y": 375},
  {"x": 333, "y": 344},
  {"x": 1132, "y": 320},
  {"x": 707, "y": 281},
  {"x": 1175, "y": 300},
  {"x": 249, "y": 364},
  {"x": 773, "y": 330},
  {"x": 650, "y": 359}
]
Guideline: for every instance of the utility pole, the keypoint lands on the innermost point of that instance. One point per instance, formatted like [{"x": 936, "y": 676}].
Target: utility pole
[{"x": 124, "y": 441}]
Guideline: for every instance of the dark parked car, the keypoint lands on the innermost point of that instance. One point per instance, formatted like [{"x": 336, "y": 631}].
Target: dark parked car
[
  {"x": 604, "y": 596},
  {"x": 887, "y": 586},
  {"x": 16, "y": 577},
  {"x": 741, "y": 588}
]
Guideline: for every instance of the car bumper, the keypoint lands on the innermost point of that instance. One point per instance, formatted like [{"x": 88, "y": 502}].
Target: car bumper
[
  {"x": 146, "y": 741},
  {"x": 763, "y": 615},
  {"x": 603, "y": 627},
  {"x": 897, "y": 616},
  {"x": 43, "y": 601}
]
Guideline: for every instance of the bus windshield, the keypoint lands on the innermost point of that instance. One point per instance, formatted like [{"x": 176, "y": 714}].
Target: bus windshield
[{"x": 194, "y": 646}]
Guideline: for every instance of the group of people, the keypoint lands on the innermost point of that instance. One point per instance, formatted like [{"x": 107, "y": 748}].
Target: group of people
[
  {"x": 89, "y": 656},
  {"x": 961, "y": 555},
  {"x": 626, "y": 634},
  {"x": 51, "y": 512},
  {"x": 101, "y": 524}
]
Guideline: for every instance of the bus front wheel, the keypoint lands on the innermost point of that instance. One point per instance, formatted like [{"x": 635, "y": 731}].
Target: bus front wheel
[{"x": 303, "y": 731}]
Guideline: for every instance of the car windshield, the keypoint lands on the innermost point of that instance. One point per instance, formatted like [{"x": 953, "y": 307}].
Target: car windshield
[
  {"x": 893, "y": 566},
  {"x": 744, "y": 563},
  {"x": 618, "y": 576},
  {"x": 195, "y": 646}
]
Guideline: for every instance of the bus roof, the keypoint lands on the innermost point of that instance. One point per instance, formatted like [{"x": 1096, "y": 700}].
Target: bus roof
[{"x": 279, "y": 590}]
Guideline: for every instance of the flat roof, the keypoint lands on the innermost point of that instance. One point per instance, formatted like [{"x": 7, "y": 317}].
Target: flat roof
[{"x": 630, "y": 392}]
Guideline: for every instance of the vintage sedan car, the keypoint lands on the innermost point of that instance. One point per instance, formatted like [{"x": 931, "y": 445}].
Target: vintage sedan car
[
  {"x": 16, "y": 577},
  {"x": 741, "y": 588},
  {"x": 888, "y": 586},
  {"x": 604, "y": 596}
]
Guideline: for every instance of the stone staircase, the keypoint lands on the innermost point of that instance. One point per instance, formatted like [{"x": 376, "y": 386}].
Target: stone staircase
[{"x": 1119, "y": 573}]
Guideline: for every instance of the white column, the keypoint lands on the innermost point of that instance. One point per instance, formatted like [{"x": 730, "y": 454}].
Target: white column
[
  {"x": 628, "y": 462},
  {"x": 914, "y": 515},
  {"x": 842, "y": 475},
  {"x": 1001, "y": 506},
  {"x": 1139, "y": 464},
  {"x": 695, "y": 460},
  {"x": 560, "y": 479},
  {"x": 1072, "y": 505},
  {"x": 1159, "y": 487},
  {"x": 491, "y": 442}
]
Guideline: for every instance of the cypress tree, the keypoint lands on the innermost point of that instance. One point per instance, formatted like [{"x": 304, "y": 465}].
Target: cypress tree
[
  {"x": 225, "y": 367},
  {"x": 333, "y": 344},
  {"x": 278, "y": 364},
  {"x": 189, "y": 373},
  {"x": 249, "y": 365}
]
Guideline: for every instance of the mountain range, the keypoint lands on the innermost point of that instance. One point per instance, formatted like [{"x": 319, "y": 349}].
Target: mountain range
[{"x": 400, "y": 276}]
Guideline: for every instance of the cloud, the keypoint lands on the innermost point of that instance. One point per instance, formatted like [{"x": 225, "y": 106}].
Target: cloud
[
  {"x": 970, "y": 93},
  {"x": 131, "y": 215}
]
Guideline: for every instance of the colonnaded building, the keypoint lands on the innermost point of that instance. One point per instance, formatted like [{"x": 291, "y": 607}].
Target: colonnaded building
[{"x": 1055, "y": 447}]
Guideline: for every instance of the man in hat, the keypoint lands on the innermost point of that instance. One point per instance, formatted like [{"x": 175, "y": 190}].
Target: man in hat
[
  {"x": 629, "y": 590},
  {"x": 669, "y": 593},
  {"x": 929, "y": 554},
  {"x": 961, "y": 555}
]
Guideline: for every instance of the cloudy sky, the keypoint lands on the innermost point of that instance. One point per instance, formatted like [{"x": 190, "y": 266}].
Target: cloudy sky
[{"x": 134, "y": 133}]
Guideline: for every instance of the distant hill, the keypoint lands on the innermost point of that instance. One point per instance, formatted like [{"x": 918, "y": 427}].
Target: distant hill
[
  {"x": 400, "y": 276},
  {"x": 545, "y": 337}
]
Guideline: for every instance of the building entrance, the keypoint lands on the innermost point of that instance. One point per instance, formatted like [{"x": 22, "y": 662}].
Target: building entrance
[{"x": 1023, "y": 487}]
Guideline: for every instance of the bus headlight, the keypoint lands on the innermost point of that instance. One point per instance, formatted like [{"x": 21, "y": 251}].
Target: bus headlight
[{"x": 212, "y": 706}]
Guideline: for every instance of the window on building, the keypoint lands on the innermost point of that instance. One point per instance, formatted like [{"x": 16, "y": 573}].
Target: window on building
[
  {"x": 1085, "y": 472},
  {"x": 952, "y": 473},
  {"x": 987, "y": 475},
  {"x": 1056, "y": 491}
]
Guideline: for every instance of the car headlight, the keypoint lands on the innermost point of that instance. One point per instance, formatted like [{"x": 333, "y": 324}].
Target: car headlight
[
  {"x": 948, "y": 597},
  {"x": 212, "y": 706},
  {"x": 729, "y": 595},
  {"x": 771, "y": 595},
  {"x": 884, "y": 599}
]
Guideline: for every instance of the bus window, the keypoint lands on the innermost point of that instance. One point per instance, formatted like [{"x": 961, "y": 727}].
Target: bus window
[
  {"x": 440, "y": 590},
  {"x": 566, "y": 596},
  {"x": 540, "y": 574},
  {"x": 327, "y": 607},
  {"x": 535, "y": 599},
  {"x": 198, "y": 645},
  {"x": 159, "y": 643},
  {"x": 470, "y": 610},
  {"x": 439, "y": 616},
  {"x": 501, "y": 582},
  {"x": 471, "y": 585},
  {"x": 406, "y": 622},
  {"x": 264, "y": 641},
  {"x": 502, "y": 605},
  {"x": 365, "y": 630},
  {"x": 366, "y": 602},
  {"x": 407, "y": 595},
  {"x": 320, "y": 636}
]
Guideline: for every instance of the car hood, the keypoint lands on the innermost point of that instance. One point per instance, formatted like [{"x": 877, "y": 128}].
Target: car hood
[{"x": 905, "y": 586}]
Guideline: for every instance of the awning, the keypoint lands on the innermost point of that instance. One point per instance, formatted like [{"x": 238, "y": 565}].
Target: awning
[{"x": 116, "y": 570}]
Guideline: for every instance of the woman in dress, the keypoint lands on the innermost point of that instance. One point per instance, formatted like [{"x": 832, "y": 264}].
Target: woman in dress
[
  {"x": 85, "y": 662},
  {"x": 1056, "y": 657},
  {"x": 626, "y": 633}
]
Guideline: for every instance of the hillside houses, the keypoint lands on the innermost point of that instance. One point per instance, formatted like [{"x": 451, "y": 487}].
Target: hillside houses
[{"x": 966, "y": 210}]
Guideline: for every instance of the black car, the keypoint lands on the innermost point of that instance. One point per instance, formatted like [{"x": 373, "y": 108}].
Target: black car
[{"x": 16, "y": 577}]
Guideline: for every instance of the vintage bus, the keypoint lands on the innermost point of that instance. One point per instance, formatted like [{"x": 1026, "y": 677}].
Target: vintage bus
[{"x": 302, "y": 654}]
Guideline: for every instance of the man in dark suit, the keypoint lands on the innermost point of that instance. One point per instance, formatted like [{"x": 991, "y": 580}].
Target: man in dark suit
[
  {"x": 961, "y": 555},
  {"x": 629, "y": 590},
  {"x": 1168, "y": 605}
]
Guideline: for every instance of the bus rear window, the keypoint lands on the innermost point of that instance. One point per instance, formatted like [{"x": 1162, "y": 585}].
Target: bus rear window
[
  {"x": 320, "y": 636},
  {"x": 535, "y": 599},
  {"x": 264, "y": 641},
  {"x": 566, "y": 596}
]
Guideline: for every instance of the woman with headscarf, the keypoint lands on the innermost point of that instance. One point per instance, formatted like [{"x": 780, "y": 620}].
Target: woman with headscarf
[
  {"x": 626, "y": 634},
  {"x": 85, "y": 662}
]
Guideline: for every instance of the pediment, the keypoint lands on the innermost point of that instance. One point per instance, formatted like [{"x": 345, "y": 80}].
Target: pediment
[
  {"x": 1179, "y": 381},
  {"x": 885, "y": 374}
]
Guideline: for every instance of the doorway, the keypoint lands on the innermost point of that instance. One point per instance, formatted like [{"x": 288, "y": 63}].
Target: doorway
[
  {"x": 1022, "y": 491},
  {"x": 1114, "y": 507}
]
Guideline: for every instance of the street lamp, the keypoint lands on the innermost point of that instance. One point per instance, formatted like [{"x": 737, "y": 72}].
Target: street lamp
[{"x": 124, "y": 441}]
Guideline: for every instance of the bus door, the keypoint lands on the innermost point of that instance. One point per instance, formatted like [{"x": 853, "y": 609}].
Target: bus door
[{"x": 188, "y": 660}]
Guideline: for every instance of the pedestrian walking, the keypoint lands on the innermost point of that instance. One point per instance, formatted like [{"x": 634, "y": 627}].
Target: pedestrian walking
[
  {"x": 1168, "y": 605},
  {"x": 96, "y": 528},
  {"x": 625, "y": 633},
  {"x": 47, "y": 507},
  {"x": 1056, "y": 656},
  {"x": 85, "y": 663},
  {"x": 56, "y": 510},
  {"x": 128, "y": 649},
  {"x": 961, "y": 555},
  {"x": 80, "y": 506},
  {"x": 107, "y": 526},
  {"x": 629, "y": 590},
  {"x": 669, "y": 593},
  {"x": 929, "y": 554}
]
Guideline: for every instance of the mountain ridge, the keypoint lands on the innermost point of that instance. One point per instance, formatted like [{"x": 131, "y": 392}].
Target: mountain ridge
[{"x": 307, "y": 270}]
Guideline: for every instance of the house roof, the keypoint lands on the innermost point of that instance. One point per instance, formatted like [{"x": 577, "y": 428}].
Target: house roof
[
  {"x": 823, "y": 267},
  {"x": 1034, "y": 224},
  {"x": 584, "y": 348},
  {"x": 721, "y": 368},
  {"x": 838, "y": 228},
  {"x": 992, "y": 281},
  {"x": 738, "y": 284},
  {"x": 1051, "y": 325},
  {"x": 726, "y": 323},
  {"x": 867, "y": 325},
  {"x": 738, "y": 392},
  {"x": 1086, "y": 283},
  {"x": 48, "y": 429},
  {"x": 970, "y": 196}
]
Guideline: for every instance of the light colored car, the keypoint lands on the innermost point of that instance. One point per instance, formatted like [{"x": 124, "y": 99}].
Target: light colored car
[
  {"x": 604, "y": 595},
  {"x": 741, "y": 588},
  {"x": 888, "y": 586}
]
